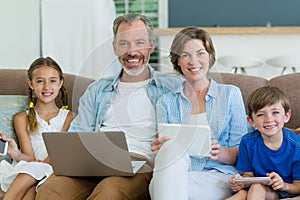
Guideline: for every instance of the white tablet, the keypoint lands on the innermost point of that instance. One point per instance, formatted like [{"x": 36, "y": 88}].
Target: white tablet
[
  {"x": 250, "y": 180},
  {"x": 193, "y": 139}
]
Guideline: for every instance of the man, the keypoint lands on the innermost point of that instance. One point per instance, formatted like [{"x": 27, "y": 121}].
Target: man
[{"x": 125, "y": 102}]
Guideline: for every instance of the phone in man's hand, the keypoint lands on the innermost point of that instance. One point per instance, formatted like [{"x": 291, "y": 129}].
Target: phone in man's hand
[{"x": 3, "y": 147}]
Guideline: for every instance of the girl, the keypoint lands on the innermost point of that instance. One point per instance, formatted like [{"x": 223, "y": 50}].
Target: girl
[{"x": 31, "y": 165}]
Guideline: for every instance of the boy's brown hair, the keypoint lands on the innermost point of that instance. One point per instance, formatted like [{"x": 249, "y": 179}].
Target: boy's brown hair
[{"x": 266, "y": 96}]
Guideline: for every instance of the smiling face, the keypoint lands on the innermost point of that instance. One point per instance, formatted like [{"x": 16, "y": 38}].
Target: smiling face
[
  {"x": 45, "y": 83},
  {"x": 268, "y": 109},
  {"x": 194, "y": 60},
  {"x": 270, "y": 119},
  {"x": 197, "y": 39},
  {"x": 133, "y": 47}
]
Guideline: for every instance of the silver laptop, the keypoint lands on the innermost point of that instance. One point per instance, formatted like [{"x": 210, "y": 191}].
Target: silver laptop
[
  {"x": 90, "y": 154},
  {"x": 192, "y": 139}
]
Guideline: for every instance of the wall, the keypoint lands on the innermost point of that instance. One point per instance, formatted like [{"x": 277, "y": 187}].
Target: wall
[
  {"x": 19, "y": 36},
  {"x": 79, "y": 38},
  {"x": 19, "y": 39}
]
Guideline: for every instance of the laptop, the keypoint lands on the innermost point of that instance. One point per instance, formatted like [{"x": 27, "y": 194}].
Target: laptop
[
  {"x": 84, "y": 154},
  {"x": 185, "y": 138}
]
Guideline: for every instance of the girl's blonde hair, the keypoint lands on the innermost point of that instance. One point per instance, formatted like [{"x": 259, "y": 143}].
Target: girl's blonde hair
[{"x": 38, "y": 63}]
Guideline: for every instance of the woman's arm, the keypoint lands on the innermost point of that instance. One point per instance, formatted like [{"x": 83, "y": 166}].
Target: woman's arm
[
  {"x": 236, "y": 128},
  {"x": 223, "y": 154}
]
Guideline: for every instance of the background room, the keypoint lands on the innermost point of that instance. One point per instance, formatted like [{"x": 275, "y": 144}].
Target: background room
[{"x": 260, "y": 29}]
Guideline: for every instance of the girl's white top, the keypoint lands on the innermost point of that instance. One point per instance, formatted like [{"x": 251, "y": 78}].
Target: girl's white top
[{"x": 39, "y": 170}]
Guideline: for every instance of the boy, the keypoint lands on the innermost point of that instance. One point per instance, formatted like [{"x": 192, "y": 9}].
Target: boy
[{"x": 270, "y": 150}]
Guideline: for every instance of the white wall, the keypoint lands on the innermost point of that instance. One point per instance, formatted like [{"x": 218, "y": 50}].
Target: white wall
[
  {"x": 19, "y": 35},
  {"x": 78, "y": 38},
  {"x": 260, "y": 46},
  {"x": 19, "y": 39}
]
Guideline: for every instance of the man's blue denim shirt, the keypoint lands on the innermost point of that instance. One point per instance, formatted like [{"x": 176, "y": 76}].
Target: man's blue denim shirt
[{"x": 98, "y": 97}]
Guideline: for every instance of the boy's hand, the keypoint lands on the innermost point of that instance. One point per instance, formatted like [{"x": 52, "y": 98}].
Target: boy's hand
[
  {"x": 276, "y": 181},
  {"x": 236, "y": 186}
]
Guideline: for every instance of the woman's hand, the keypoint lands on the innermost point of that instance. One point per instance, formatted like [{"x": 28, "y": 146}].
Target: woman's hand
[
  {"x": 157, "y": 143},
  {"x": 215, "y": 150},
  {"x": 225, "y": 155},
  {"x": 236, "y": 186}
]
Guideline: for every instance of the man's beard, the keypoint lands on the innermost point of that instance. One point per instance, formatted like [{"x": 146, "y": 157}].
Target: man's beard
[{"x": 133, "y": 72}]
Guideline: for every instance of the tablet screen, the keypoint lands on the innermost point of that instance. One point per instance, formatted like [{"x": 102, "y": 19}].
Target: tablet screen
[{"x": 193, "y": 139}]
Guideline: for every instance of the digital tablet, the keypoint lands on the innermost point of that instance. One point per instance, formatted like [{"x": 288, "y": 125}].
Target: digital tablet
[
  {"x": 250, "y": 180},
  {"x": 193, "y": 139}
]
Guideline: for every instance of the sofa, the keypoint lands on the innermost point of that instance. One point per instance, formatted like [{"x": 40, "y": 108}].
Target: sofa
[{"x": 13, "y": 82}]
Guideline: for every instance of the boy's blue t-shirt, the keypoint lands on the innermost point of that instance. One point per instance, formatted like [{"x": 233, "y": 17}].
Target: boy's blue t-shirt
[{"x": 255, "y": 156}]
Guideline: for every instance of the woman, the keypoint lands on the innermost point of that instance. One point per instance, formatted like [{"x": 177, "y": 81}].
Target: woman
[{"x": 199, "y": 100}]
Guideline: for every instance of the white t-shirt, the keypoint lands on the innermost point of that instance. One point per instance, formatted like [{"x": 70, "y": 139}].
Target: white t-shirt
[
  {"x": 199, "y": 119},
  {"x": 133, "y": 113}
]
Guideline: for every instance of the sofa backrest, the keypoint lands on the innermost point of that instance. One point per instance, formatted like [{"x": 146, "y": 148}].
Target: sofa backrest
[
  {"x": 246, "y": 83},
  {"x": 289, "y": 84},
  {"x": 13, "y": 82}
]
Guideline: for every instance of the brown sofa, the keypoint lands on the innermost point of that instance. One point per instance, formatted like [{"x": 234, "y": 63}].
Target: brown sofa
[{"x": 13, "y": 82}]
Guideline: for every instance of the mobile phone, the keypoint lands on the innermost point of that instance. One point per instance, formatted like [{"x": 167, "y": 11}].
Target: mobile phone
[{"x": 3, "y": 147}]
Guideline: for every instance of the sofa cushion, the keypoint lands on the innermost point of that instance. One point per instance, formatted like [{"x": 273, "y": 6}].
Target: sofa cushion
[
  {"x": 10, "y": 105},
  {"x": 13, "y": 82},
  {"x": 75, "y": 86}
]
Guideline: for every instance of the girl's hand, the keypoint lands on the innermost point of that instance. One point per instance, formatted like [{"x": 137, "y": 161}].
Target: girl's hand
[
  {"x": 276, "y": 181},
  {"x": 156, "y": 144},
  {"x": 215, "y": 150},
  {"x": 236, "y": 186},
  {"x": 13, "y": 150}
]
